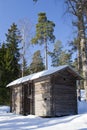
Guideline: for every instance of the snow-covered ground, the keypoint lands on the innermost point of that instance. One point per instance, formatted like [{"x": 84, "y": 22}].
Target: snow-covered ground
[{"x": 9, "y": 121}]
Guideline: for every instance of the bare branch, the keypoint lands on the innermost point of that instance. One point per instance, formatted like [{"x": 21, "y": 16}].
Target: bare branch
[{"x": 74, "y": 11}]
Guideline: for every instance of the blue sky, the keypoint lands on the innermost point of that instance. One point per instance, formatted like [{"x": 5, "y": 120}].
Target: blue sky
[{"x": 14, "y": 10}]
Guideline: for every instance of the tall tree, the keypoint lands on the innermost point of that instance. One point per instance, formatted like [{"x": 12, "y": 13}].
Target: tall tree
[
  {"x": 37, "y": 63},
  {"x": 9, "y": 61},
  {"x": 75, "y": 48},
  {"x": 60, "y": 56},
  {"x": 65, "y": 58},
  {"x": 78, "y": 8},
  {"x": 2, "y": 57},
  {"x": 13, "y": 38},
  {"x": 44, "y": 33},
  {"x": 4, "y": 93},
  {"x": 25, "y": 28},
  {"x": 55, "y": 55}
]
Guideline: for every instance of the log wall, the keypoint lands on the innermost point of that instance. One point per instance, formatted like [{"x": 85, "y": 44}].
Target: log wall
[
  {"x": 42, "y": 97},
  {"x": 64, "y": 97},
  {"x": 16, "y": 99},
  {"x": 53, "y": 95}
]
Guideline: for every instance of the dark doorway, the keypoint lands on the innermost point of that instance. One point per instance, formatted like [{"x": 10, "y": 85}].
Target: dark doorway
[{"x": 27, "y": 99}]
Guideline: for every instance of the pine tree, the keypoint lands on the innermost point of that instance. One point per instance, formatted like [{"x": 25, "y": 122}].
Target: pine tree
[
  {"x": 55, "y": 55},
  {"x": 37, "y": 63},
  {"x": 44, "y": 33},
  {"x": 65, "y": 58},
  {"x": 60, "y": 56}
]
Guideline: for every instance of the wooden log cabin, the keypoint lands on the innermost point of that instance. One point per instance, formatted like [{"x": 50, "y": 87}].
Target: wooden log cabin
[{"x": 48, "y": 93}]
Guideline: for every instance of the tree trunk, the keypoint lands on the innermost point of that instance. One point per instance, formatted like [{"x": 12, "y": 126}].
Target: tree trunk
[
  {"x": 83, "y": 52},
  {"x": 23, "y": 53},
  {"x": 79, "y": 82},
  {"x": 79, "y": 70},
  {"x": 22, "y": 65},
  {"x": 76, "y": 7},
  {"x": 81, "y": 30},
  {"x": 46, "y": 57},
  {"x": 84, "y": 64}
]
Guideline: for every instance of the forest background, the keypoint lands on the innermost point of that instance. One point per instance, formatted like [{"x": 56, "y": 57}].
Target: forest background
[{"x": 23, "y": 51}]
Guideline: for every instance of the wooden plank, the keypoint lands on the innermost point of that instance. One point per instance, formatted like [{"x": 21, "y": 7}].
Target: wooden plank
[
  {"x": 42, "y": 98},
  {"x": 64, "y": 97}
]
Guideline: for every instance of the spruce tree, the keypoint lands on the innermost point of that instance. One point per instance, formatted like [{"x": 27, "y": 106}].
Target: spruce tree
[
  {"x": 4, "y": 76},
  {"x": 9, "y": 62},
  {"x": 13, "y": 38}
]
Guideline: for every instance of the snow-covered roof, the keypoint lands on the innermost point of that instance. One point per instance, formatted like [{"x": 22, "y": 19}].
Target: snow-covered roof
[{"x": 41, "y": 74}]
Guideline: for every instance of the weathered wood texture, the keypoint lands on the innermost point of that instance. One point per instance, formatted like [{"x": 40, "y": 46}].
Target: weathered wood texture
[
  {"x": 16, "y": 99},
  {"x": 23, "y": 99},
  {"x": 53, "y": 95},
  {"x": 28, "y": 98},
  {"x": 42, "y": 97},
  {"x": 64, "y": 97}
]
